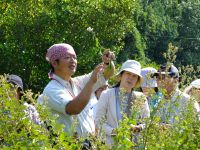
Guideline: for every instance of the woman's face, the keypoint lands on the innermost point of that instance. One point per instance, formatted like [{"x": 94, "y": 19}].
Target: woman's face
[
  {"x": 128, "y": 80},
  {"x": 148, "y": 91},
  {"x": 196, "y": 94}
]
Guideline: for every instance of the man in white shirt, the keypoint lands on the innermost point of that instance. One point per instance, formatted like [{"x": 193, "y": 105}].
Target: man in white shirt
[
  {"x": 174, "y": 102},
  {"x": 66, "y": 96}
]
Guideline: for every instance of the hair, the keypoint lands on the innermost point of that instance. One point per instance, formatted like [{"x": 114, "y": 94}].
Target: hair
[
  {"x": 21, "y": 94},
  {"x": 19, "y": 90},
  {"x": 156, "y": 89},
  {"x": 51, "y": 66},
  {"x": 116, "y": 85}
]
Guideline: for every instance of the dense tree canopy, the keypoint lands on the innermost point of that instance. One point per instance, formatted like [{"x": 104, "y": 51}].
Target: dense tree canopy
[{"x": 139, "y": 29}]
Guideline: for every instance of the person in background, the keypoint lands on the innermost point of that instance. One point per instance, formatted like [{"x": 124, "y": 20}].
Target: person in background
[
  {"x": 100, "y": 90},
  {"x": 17, "y": 90},
  {"x": 149, "y": 87},
  {"x": 119, "y": 99},
  {"x": 194, "y": 90},
  {"x": 95, "y": 98},
  {"x": 67, "y": 97},
  {"x": 174, "y": 102}
]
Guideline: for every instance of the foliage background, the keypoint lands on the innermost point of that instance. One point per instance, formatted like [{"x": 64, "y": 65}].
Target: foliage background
[{"x": 139, "y": 29}]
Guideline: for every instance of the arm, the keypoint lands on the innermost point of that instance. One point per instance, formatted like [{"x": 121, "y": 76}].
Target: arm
[
  {"x": 108, "y": 70},
  {"x": 101, "y": 110},
  {"x": 109, "y": 130},
  {"x": 142, "y": 106},
  {"x": 145, "y": 111},
  {"x": 78, "y": 103}
]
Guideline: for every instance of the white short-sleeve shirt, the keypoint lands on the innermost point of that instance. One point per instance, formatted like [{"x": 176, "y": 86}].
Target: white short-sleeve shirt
[{"x": 59, "y": 92}]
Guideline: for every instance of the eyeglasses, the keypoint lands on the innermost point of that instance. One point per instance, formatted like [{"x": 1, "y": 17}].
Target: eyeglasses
[
  {"x": 70, "y": 57},
  {"x": 163, "y": 76}
]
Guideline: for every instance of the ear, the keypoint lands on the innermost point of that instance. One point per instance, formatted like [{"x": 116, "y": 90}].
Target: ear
[{"x": 138, "y": 83}]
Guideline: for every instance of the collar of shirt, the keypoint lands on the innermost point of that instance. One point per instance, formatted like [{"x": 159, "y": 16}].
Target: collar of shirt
[
  {"x": 176, "y": 95},
  {"x": 64, "y": 83},
  {"x": 121, "y": 102}
]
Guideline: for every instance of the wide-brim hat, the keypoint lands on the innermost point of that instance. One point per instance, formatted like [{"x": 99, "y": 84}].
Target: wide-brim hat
[
  {"x": 149, "y": 80},
  {"x": 195, "y": 83},
  {"x": 167, "y": 70},
  {"x": 131, "y": 66}
]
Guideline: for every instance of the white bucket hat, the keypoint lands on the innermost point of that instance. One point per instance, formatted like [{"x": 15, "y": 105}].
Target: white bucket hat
[
  {"x": 195, "y": 83},
  {"x": 133, "y": 67},
  {"x": 148, "y": 81}
]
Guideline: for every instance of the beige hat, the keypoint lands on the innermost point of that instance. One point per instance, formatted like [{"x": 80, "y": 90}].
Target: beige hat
[
  {"x": 195, "y": 83},
  {"x": 149, "y": 81},
  {"x": 133, "y": 67}
]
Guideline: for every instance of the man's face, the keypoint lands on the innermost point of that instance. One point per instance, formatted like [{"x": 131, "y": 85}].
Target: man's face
[
  {"x": 196, "y": 94},
  {"x": 166, "y": 82},
  {"x": 67, "y": 64}
]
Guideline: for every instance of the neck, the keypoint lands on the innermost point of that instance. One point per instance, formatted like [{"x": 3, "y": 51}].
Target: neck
[
  {"x": 63, "y": 75},
  {"x": 126, "y": 89},
  {"x": 170, "y": 91}
]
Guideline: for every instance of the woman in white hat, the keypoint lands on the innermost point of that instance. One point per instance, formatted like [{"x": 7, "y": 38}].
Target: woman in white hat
[
  {"x": 149, "y": 87},
  {"x": 116, "y": 101},
  {"x": 194, "y": 90}
]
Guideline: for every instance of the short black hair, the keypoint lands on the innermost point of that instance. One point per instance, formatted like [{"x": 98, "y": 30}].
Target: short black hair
[{"x": 52, "y": 68}]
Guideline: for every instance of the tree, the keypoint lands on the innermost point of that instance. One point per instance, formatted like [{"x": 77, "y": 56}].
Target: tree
[
  {"x": 29, "y": 28},
  {"x": 189, "y": 33}
]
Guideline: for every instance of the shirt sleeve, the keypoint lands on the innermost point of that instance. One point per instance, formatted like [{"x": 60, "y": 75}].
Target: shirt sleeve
[
  {"x": 57, "y": 98},
  {"x": 145, "y": 111},
  {"x": 82, "y": 81},
  {"x": 40, "y": 99},
  {"x": 101, "y": 109},
  {"x": 144, "y": 106},
  {"x": 101, "y": 112}
]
